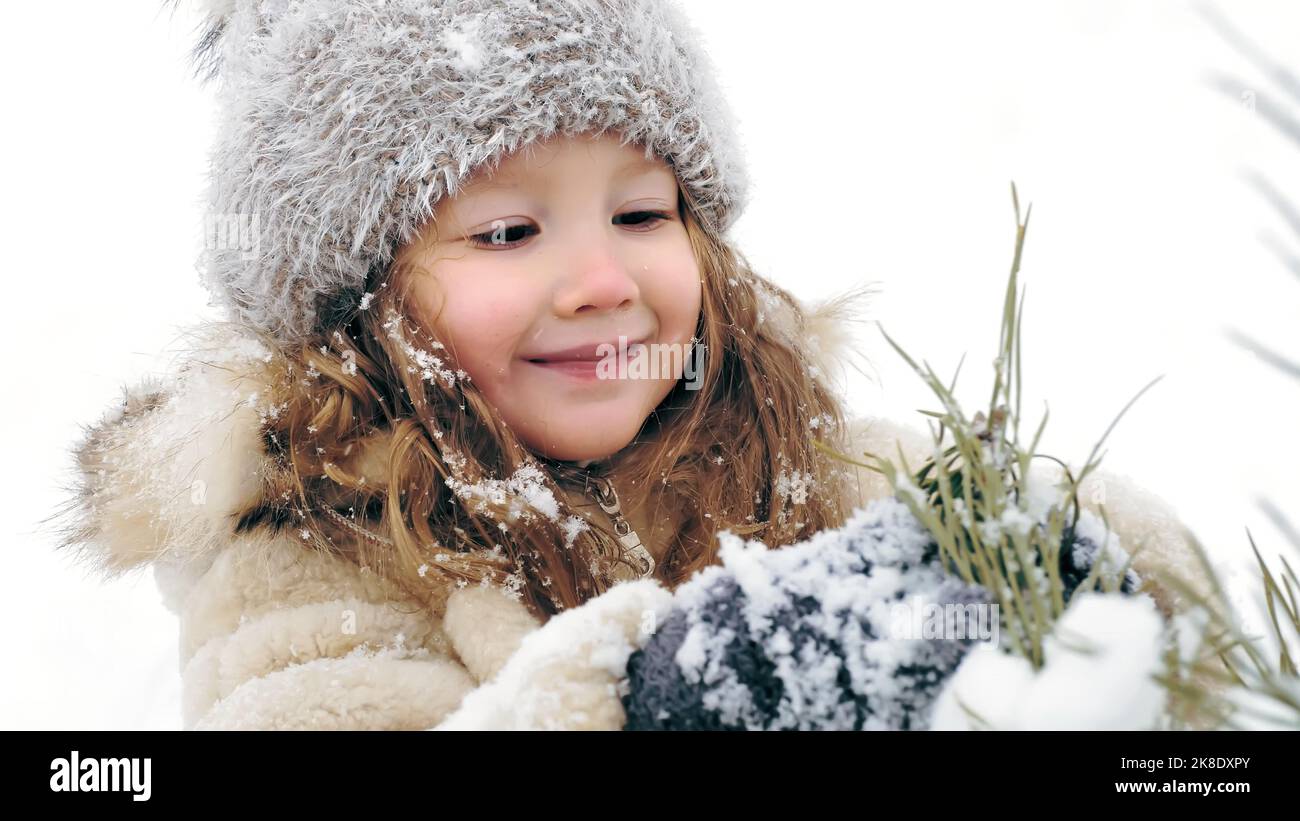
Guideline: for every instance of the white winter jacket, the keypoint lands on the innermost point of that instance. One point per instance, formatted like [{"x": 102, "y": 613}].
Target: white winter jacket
[{"x": 277, "y": 636}]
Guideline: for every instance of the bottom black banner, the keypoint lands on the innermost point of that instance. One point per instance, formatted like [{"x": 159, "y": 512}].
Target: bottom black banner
[{"x": 203, "y": 771}]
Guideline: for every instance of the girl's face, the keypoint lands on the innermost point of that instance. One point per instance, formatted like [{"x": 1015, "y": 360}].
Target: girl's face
[{"x": 567, "y": 245}]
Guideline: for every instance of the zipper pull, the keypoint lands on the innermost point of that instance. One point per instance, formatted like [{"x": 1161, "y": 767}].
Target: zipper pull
[{"x": 608, "y": 501}]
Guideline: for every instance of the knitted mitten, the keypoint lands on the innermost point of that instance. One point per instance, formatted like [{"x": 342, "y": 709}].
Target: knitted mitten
[{"x": 824, "y": 634}]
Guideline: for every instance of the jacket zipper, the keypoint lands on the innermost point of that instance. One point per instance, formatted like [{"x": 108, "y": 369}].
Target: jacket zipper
[{"x": 641, "y": 558}]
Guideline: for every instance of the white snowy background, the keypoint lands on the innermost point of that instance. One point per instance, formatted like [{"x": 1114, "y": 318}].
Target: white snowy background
[{"x": 882, "y": 139}]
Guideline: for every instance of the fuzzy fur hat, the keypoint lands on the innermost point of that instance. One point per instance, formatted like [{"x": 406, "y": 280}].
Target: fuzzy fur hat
[{"x": 343, "y": 122}]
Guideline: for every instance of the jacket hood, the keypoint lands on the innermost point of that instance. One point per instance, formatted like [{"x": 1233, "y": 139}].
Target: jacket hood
[
  {"x": 168, "y": 471},
  {"x": 164, "y": 469}
]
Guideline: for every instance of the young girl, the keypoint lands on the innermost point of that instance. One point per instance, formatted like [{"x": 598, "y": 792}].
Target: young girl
[{"x": 490, "y": 359}]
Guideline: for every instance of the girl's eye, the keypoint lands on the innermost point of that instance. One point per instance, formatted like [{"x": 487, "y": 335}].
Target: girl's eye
[
  {"x": 642, "y": 220},
  {"x": 502, "y": 236}
]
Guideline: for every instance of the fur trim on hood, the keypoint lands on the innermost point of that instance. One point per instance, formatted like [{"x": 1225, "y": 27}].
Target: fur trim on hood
[{"x": 164, "y": 471}]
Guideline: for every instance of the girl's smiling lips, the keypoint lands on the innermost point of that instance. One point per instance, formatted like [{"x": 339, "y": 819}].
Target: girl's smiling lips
[
  {"x": 580, "y": 353},
  {"x": 580, "y": 361}
]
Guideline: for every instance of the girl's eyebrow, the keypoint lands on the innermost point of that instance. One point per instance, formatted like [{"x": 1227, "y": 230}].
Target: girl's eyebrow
[
  {"x": 504, "y": 182},
  {"x": 641, "y": 165}
]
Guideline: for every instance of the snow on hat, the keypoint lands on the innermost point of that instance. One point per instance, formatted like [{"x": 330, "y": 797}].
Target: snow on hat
[{"x": 342, "y": 123}]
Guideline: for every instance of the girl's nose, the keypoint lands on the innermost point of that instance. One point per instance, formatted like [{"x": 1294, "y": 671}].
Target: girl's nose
[{"x": 599, "y": 282}]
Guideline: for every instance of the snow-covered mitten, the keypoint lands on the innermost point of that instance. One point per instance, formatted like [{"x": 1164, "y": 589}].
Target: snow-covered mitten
[
  {"x": 805, "y": 637},
  {"x": 822, "y": 634},
  {"x": 1099, "y": 673}
]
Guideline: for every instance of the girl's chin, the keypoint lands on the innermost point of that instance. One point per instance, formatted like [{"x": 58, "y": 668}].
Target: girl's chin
[
  {"x": 583, "y": 425},
  {"x": 578, "y": 444}
]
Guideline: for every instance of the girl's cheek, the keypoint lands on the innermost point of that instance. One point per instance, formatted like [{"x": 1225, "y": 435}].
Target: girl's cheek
[
  {"x": 677, "y": 293},
  {"x": 486, "y": 326},
  {"x": 473, "y": 316}
]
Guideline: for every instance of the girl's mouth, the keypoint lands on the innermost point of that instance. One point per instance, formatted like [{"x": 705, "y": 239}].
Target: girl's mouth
[
  {"x": 584, "y": 362},
  {"x": 584, "y": 369}
]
